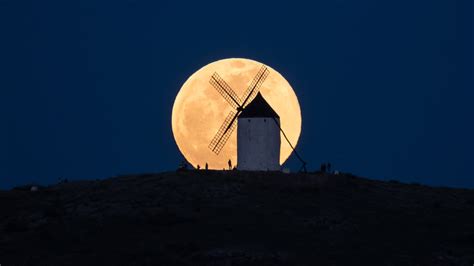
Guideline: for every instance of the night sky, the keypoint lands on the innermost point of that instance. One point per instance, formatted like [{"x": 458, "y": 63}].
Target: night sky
[{"x": 87, "y": 87}]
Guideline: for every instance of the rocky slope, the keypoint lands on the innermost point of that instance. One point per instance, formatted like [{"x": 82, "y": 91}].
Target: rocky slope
[{"x": 237, "y": 218}]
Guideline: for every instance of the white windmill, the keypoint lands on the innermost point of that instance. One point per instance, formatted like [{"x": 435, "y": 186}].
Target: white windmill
[
  {"x": 258, "y": 134},
  {"x": 258, "y": 137}
]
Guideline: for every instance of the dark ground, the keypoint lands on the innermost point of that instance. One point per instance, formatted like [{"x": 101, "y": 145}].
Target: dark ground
[{"x": 237, "y": 218}]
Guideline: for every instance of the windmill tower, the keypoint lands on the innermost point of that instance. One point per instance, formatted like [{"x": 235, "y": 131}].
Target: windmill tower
[{"x": 258, "y": 137}]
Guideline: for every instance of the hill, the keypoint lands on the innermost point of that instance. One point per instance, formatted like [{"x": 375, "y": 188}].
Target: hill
[{"x": 237, "y": 218}]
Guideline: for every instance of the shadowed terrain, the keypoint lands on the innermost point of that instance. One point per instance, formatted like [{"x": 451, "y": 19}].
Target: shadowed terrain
[{"x": 237, "y": 218}]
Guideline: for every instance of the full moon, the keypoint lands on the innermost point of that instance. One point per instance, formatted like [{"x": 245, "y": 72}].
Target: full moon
[{"x": 199, "y": 110}]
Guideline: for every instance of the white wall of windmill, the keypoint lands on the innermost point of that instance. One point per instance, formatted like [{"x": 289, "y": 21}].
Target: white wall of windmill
[{"x": 258, "y": 144}]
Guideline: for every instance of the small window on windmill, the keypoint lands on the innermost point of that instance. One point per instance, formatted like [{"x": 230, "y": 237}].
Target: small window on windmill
[
  {"x": 264, "y": 120},
  {"x": 249, "y": 120}
]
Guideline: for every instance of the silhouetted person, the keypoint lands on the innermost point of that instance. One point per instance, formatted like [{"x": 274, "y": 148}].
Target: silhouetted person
[
  {"x": 323, "y": 168},
  {"x": 198, "y": 167},
  {"x": 230, "y": 164},
  {"x": 329, "y": 167},
  {"x": 207, "y": 166}
]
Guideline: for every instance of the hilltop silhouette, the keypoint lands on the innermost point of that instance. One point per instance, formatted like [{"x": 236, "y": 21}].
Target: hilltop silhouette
[{"x": 237, "y": 218}]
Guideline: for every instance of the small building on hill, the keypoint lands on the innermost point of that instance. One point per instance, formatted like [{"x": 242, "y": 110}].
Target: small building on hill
[{"x": 258, "y": 137}]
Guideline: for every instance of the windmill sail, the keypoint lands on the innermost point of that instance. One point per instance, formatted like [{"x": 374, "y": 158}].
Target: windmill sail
[
  {"x": 254, "y": 87},
  {"x": 224, "y": 132},
  {"x": 225, "y": 90}
]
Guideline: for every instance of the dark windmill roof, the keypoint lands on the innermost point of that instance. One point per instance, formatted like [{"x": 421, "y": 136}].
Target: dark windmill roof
[{"x": 258, "y": 108}]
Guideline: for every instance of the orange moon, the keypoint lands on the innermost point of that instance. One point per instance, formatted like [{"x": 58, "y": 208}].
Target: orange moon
[{"x": 199, "y": 110}]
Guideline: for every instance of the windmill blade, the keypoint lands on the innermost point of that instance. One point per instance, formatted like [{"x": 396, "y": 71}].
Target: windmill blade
[
  {"x": 254, "y": 87},
  {"x": 225, "y": 90},
  {"x": 220, "y": 139}
]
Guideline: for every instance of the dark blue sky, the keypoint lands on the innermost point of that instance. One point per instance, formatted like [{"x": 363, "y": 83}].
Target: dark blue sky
[{"x": 386, "y": 87}]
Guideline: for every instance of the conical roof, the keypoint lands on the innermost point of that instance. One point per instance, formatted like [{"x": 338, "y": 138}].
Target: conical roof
[{"x": 259, "y": 107}]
